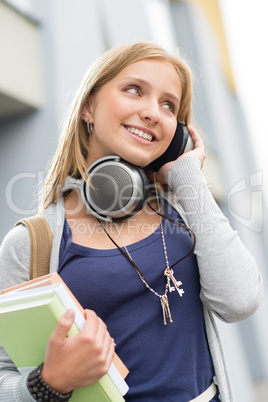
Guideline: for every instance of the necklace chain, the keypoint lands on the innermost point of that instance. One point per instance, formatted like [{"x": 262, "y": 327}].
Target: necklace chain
[
  {"x": 141, "y": 276},
  {"x": 164, "y": 245},
  {"x": 168, "y": 272}
]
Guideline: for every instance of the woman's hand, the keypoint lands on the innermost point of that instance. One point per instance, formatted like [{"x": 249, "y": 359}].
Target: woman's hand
[
  {"x": 198, "y": 152},
  {"x": 79, "y": 360}
]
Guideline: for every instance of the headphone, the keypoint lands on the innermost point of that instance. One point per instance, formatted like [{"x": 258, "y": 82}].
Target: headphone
[
  {"x": 114, "y": 189},
  {"x": 181, "y": 142}
]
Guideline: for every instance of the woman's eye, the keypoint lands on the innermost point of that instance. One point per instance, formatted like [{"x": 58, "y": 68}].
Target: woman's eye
[
  {"x": 134, "y": 90},
  {"x": 169, "y": 106}
]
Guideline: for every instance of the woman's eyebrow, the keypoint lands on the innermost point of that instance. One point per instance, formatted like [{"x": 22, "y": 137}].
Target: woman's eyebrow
[
  {"x": 172, "y": 96},
  {"x": 139, "y": 80}
]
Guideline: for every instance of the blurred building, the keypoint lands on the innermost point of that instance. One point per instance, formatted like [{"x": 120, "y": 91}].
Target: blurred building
[{"x": 45, "y": 49}]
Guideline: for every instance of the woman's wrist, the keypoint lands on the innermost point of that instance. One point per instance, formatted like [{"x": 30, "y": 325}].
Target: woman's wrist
[{"x": 41, "y": 391}]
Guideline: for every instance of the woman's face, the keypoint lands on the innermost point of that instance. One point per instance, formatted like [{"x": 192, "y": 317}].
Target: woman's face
[{"x": 134, "y": 114}]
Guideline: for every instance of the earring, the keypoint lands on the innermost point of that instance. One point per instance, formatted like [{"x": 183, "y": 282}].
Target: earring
[{"x": 89, "y": 128}]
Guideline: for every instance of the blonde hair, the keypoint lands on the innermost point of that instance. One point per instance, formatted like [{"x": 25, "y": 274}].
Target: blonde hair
[{"x": 70, "y": 157}]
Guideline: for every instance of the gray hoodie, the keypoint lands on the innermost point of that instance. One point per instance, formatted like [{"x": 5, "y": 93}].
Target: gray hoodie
[{"x": 231, "y": 285}]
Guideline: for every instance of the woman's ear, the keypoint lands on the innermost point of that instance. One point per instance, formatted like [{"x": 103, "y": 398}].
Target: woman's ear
[{"x": 87, "y": 112}]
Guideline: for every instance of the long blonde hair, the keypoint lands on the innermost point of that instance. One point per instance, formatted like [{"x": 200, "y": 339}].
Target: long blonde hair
[{"x": 71, "y": 155}]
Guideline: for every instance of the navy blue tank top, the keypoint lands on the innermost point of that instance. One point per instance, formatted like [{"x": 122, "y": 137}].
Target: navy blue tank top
[{"x": 172, "y": 362}]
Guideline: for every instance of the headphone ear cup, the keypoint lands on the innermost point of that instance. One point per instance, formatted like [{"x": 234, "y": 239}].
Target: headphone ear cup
[
  {"x": 114, "y": 189},
  {"x": 144, "y": 191}
]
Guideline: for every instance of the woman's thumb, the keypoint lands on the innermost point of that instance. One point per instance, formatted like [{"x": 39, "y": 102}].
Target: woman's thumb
[
  {"x": 69, "y": 315},
  {"x": 64, "y": 325}
]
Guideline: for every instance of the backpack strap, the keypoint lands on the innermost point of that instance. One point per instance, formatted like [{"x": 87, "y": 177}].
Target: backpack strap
[{"x": 41, "y": 244}]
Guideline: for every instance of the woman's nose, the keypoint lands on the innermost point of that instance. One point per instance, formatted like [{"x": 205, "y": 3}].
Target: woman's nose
[{"x": 150, "y": 112}]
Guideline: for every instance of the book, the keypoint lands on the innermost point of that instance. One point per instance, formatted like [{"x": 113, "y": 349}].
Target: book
[
  {"x": 27, "y": 319},
  {"x": 52, "y": 279}
]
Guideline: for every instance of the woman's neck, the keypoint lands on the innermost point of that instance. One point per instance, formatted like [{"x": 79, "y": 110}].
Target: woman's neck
[{"x": 87, "y": 231}]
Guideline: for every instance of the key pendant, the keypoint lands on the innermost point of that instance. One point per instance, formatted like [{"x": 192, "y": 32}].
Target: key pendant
[
  {"x": 169, "y": 273},
  {"x": 170, "y": 288},
  {"x": 166, "y": 309}
]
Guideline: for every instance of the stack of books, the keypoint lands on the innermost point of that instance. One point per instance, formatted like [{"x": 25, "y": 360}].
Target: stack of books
[{"x": 29, "y": 313}]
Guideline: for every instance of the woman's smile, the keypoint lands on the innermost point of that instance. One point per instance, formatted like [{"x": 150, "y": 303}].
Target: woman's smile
[{"x": 141, "y": 134}]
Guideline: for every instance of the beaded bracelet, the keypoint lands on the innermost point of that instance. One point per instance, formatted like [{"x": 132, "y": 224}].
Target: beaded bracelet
[{"x": 42, "y": 392}]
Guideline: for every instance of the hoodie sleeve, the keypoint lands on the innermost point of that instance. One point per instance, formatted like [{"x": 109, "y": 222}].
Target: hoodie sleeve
[
  {"x": 231, "y": 284},
  {"x": 14, "y": 269}
]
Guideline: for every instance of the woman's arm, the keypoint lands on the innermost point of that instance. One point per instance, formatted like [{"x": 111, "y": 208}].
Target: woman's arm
[
  {"x": 231, "y": 284},
  {"x": 14, "y": 268},
  {"x": 69, "y": 362},
  {"x": 15, "y": 257},
  {"x": 12, "y": 383}
]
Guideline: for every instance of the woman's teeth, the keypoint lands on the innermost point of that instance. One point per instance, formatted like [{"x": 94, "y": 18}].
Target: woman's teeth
[{"x": 140, "y": 133}]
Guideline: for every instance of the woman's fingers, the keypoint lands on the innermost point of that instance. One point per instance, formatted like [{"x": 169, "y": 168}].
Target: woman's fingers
[
  {"x": 62, "y": 328},
  {"x": 199, "y": 149},
  {"x": 81, "y": 360}
]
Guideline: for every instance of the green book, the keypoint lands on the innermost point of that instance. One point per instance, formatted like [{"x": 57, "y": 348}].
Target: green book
[{"x": 27, "y": 319}]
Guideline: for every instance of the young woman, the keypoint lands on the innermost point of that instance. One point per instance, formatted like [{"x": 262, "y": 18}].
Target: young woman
[{"x": 141, "y": 283}]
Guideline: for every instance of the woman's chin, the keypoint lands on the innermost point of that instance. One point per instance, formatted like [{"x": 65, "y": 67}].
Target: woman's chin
[{"x": 140, "y": 161}]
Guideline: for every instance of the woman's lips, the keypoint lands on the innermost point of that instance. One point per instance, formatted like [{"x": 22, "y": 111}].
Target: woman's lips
[{"x": 140, "y": 133}]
